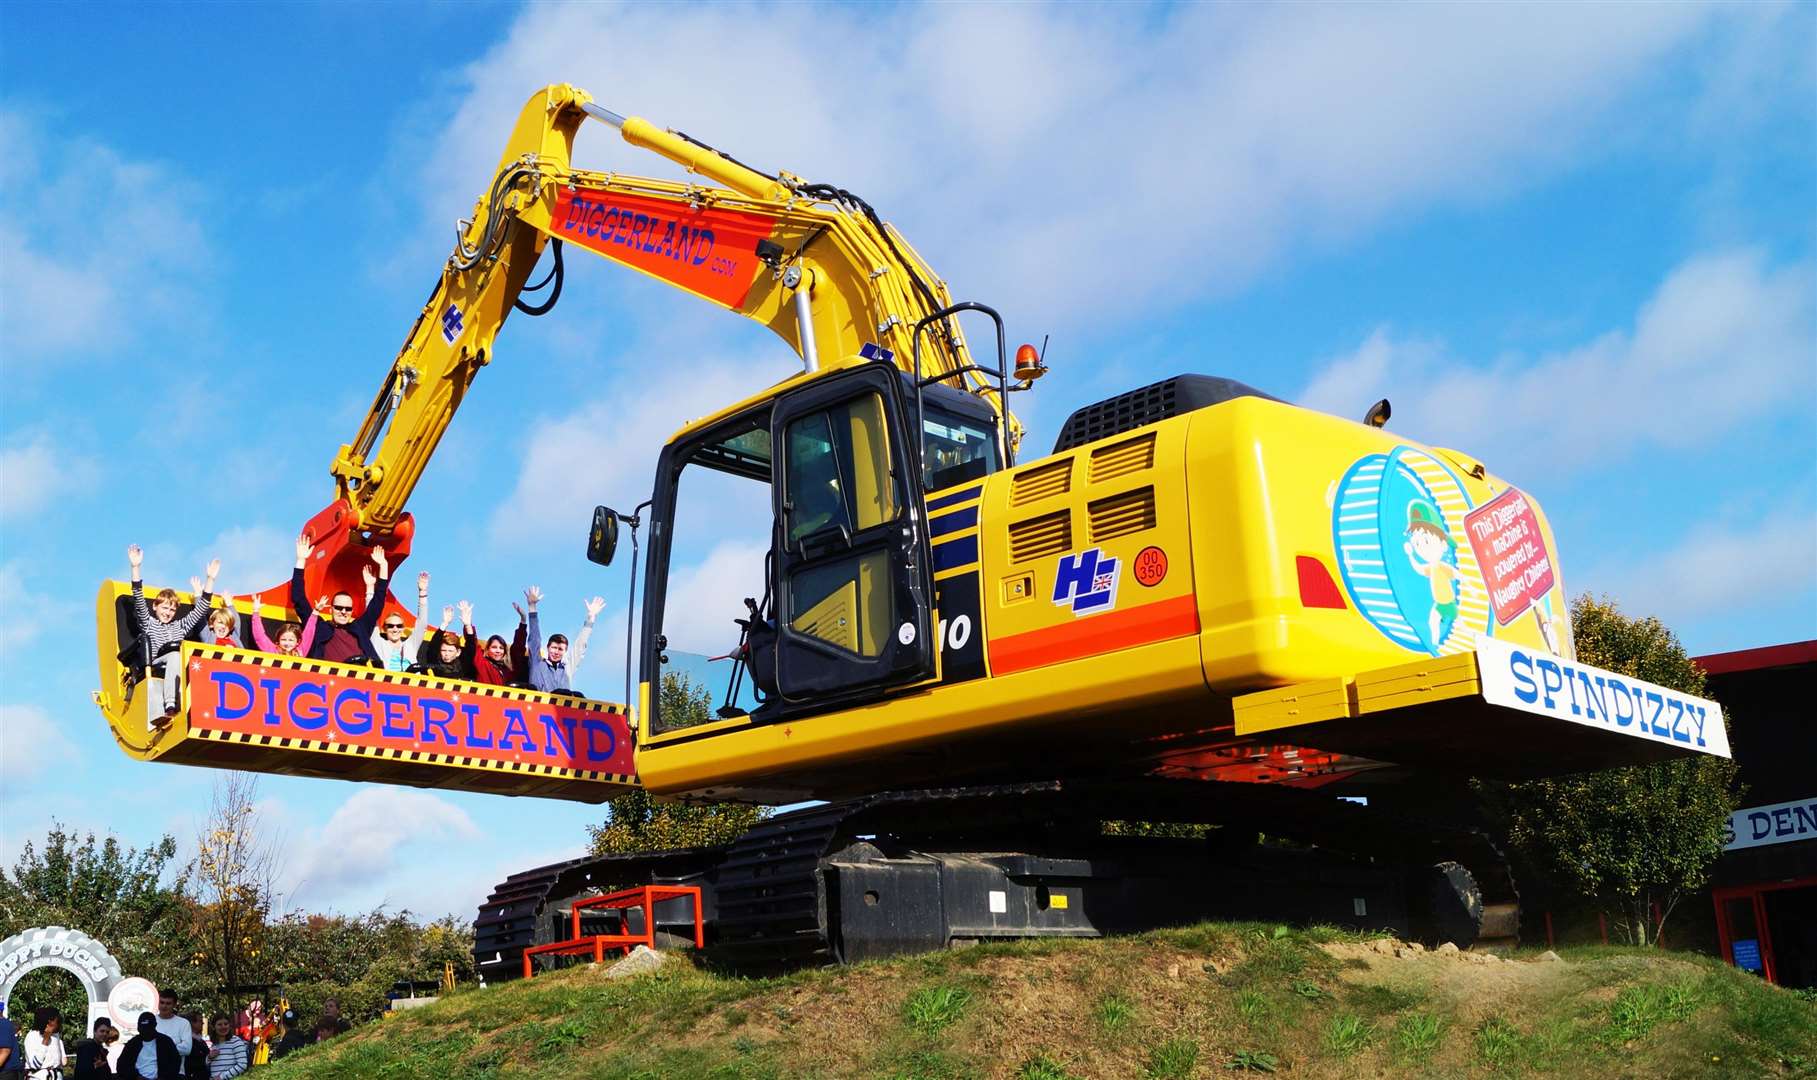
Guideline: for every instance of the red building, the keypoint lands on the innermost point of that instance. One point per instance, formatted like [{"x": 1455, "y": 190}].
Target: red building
[{"x": 1765, "y": 885}]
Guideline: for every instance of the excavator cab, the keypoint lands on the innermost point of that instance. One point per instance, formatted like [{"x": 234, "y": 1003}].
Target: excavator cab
[{"x": 842, "y": 559}]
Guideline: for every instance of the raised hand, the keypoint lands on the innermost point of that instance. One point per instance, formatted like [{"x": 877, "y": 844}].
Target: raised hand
[
  {"x": 384, "y": 563},
  {"x": 195, "y": 586},
  {"x": 519, "y": 608},
  {"x": 371, "y": 578},
  {"x": 593, "y": 607},
  {"x": 466, "y": 613},
  {"x": 533, "y": 596},
  {"x": 214, "y": 570},
  {"x": 321, "y": 606},
  {"x": 304, "y": 547},
  {"x": 422, "y": 583},
  {"x": 135, "y": 555},
  {"x": 447, "y": 615}
]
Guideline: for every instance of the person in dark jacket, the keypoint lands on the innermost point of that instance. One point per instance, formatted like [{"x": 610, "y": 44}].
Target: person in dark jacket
[
  {"x": 345, "y": 640},
  {"x": 295, "y": 1038},
  {"x": 91, "y": 1054},
  {"x": 195, "y": 1064},
  {"x": 156, "y": 1048},
  {"x": 445, "y": 655}
]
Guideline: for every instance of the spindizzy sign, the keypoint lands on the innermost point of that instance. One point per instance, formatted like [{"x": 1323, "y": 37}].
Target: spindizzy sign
[
  {"x": 328, "y": 706},
  {"x": 1535, "y": 681}
]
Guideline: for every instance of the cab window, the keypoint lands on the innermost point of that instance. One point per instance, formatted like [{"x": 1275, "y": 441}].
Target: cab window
[
  {"x": 838, "y": 472},
  {"x": 838, "y": 486},
  {"x": 955, "y": 449}
]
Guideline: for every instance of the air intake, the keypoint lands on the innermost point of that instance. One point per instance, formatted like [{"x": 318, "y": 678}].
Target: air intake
[
  {"x": 1039, "y": 537},
  {"x": 1123, "y": 514},
  {"x": 1121, "y": 459},
  {"x": 1041, "y": 482},
  {"x": 1158, "y": 401}
]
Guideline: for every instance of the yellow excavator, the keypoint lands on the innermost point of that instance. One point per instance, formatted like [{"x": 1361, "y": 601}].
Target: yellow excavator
[{"x": 1205, "y": 606}]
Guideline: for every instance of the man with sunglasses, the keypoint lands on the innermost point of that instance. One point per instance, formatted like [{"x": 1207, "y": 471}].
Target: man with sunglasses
[
  {"x": 346, "y": 640},
  {"x": 395, "y": 643}
]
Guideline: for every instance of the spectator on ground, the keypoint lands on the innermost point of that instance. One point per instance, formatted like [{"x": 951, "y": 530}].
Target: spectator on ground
[
  {"x": 91, "y": 1053},
  {"x": 229, "y": 1056},
  {"x": 12, "y": 1055},
  {"x": 325, "y": 1029},
  {"x": 293, "y": 1039},
  {"x": 176, "y": 1027},
  {"x": 549, "y": 672},
  {"x": 44, "y": 1054},
  {"x": 396, "y": 651},
  {"x": 112, "y": 1042},
  {"x": 161, "y": 633},
  {"x": 195, "y": 1063},
  {"x": 346, "y": 639},
  {"x": 331, "y": 1011},
  {"x": 151, "y": 1055}
]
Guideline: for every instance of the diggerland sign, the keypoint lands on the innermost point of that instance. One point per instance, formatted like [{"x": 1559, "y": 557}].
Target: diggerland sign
[{"x": 332, "y": 707}]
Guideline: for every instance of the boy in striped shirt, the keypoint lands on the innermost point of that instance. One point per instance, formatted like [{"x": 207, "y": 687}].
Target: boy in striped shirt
[{"x": 161, "y": 632}]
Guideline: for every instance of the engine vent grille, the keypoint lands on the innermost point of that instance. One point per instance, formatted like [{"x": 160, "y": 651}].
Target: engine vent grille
[
  {"x": 1039, "y": 537},
  {"x": 1147, "y": 405},
  {"x": 1041, "y": 482},
  {"x": 1120, "y": 515},
  {"x": 1129, "y": 456}
]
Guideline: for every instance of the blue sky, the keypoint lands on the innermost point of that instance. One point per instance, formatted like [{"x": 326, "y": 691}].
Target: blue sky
[{"x": 1575, "y": 240}]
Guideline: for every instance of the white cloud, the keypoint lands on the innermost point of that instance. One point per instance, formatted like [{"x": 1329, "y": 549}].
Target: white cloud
[
  {"x": 1719, "y": 567},
  {"x": 704, "y": 598},
  {"x": 123, "y": 250},
  {"x": 1726, "y": 338},
  {"x": 34, "y": 753},
  {"x": 252, "y": 558},
  {"x": 25, "y": 614},
  {"x": 1081, "y": 163},
  {"x": 363, "y": 844},
  {"x": 37, "y": 472},
  {"x": 605, "y": 452}
]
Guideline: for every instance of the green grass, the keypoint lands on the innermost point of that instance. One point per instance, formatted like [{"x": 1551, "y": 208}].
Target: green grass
[
  {"x": 935, "y": 1007},
  {"x": 1114, "y": 1013},
  {"x": 1498, "y": 1042},
  {"x": 1348, "y": 1034},
  {"x": 1133, "y": 1007},
  {"x": 1173, "y": 1059},
  {"x": 1042, "y": 1067},
  {"x": 1417, "y": 1035}
]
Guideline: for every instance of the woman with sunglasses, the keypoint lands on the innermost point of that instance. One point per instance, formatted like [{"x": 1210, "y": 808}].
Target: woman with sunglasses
[{"x": 395, "y": 643}]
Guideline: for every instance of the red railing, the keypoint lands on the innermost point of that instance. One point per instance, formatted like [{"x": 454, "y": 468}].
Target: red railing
[{"x": 644, "y": 896}]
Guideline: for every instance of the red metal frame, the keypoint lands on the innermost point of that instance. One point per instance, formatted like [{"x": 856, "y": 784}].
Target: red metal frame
[
  {"x": 644, "y": 896},
  {"x": 1725, "y": 934}
]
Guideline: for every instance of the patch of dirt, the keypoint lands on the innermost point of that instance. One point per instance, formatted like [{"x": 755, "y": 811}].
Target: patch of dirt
[{"x": 1477, "y": 984}]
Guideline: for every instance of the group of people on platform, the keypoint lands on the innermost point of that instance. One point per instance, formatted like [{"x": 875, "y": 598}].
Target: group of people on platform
[
  {"x": 333, "y": 628},
  {"x": 167, "y": 1045}
]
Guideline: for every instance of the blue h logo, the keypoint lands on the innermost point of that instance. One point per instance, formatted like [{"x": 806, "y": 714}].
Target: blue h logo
[
  {"x": 451, "y": 324},
  {"x": 1087, "y": 582}
]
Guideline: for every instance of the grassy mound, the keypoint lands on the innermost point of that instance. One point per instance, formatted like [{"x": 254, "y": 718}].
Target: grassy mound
[{"x": 1212, "y": 1000}]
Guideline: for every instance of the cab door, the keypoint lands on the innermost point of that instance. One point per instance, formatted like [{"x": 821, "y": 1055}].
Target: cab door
[{"x": 849, "y": 554}]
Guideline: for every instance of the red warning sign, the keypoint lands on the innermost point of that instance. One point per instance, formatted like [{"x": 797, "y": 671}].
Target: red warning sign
[
  {"x": 1151, "y": 566},
  {"x": 1504, "y": 533}
]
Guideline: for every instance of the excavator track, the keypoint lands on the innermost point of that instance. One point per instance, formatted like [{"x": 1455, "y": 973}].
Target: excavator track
[{"x": 773, "y": 900}]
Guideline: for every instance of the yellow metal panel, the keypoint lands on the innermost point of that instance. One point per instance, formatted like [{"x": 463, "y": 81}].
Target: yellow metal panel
[
  {"x": 1422, "y": 681},
  {"x": 1288, "y": 706}
]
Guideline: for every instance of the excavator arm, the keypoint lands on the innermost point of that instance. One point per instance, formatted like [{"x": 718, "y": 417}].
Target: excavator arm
[{"x": 813, "y": 263}]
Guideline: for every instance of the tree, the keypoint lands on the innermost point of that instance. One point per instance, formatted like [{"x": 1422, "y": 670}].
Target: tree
[
  {"x": 118, "y": 895},
  {"x": 233, "y": 875},
  {"x": 635, "y": 822},
  {"x": 1634, "y": 840},
  {"x": 358, "y": 958}
]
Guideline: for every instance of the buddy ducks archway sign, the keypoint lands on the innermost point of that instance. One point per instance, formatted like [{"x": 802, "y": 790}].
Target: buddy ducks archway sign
[{"x": 78, "y": 954}]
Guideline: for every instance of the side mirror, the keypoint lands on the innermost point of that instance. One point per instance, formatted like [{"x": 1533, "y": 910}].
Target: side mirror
[{"x": 602, "y": 539}]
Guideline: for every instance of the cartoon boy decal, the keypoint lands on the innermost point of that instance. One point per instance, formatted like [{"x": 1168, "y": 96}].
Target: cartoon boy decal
[{"x": 1433, "y": 554}]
